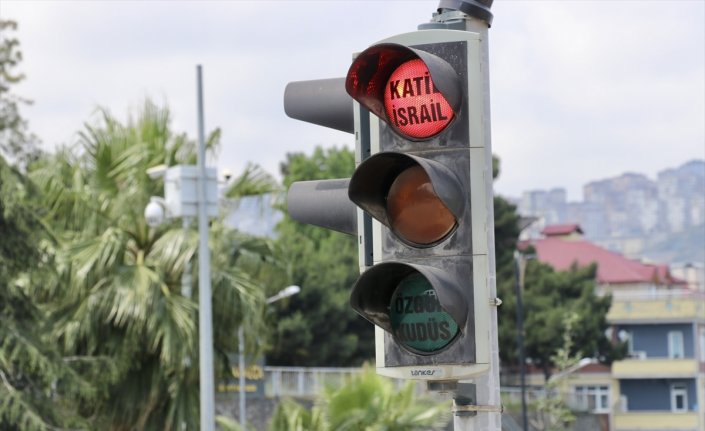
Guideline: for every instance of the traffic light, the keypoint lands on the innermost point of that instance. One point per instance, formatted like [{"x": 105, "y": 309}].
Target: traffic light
[
  {"x": 422, "y": 174},
  {"x": 427, "y": 288}
]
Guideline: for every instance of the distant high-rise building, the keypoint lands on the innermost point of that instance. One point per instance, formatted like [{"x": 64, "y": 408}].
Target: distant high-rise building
[
  {"x": 682, "y": 192},
  {"x": 628, "y": 212},
  {"x": 549, "y": 206},
  {"x": 630, "y": 201}
]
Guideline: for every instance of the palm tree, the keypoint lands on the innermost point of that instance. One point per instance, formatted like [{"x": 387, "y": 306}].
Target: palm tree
[
  {"x": 291, "y": 416},
  {"x": 368, "y": 402},
  {"x": 119, "y": 290}
]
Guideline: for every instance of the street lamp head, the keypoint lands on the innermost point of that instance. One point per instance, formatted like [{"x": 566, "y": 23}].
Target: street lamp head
[
  {"x": 157, "y": 171},
  {"x": 290, "y": 290},
  {"x": 284, "y": 293}
]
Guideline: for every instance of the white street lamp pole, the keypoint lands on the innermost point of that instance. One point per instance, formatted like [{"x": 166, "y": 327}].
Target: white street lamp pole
[
  {"x": 284, "y": 293},
  {"x": 205, "y": 320},
  {"x": 186, "y": 275},
  {"x": 186, "y": 194}
]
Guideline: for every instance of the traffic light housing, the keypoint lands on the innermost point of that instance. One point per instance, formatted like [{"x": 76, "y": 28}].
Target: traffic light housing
[
  {"x": 422, "y": 175},
  {"x": 425, "y": 185}
]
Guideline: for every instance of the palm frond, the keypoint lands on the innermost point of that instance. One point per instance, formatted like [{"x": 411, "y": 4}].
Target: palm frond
[{"x": 253, "y": 181}]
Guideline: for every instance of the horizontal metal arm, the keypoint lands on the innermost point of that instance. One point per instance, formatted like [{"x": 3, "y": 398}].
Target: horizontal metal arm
[
  {"x": 323, "y": 203},
  {"x": 320, "y": 101}
]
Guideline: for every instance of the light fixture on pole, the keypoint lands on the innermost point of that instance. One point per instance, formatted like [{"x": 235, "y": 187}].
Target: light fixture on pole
[{"x": 284, "y": 293}]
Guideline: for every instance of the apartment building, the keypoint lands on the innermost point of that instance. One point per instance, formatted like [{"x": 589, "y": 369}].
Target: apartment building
[{"x": 660, "y": 386}]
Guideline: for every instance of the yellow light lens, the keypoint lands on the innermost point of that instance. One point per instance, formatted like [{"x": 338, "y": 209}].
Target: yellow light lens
[{"x": 416, "y": 214}]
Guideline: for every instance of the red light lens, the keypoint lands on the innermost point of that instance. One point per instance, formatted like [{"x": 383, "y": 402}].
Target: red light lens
[
  {"x": 415, "y": 108},
  {"x": 416, "y": 213}
]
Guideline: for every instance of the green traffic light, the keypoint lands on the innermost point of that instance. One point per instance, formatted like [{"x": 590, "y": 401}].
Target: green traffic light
[{"x": 418, "y": 320}]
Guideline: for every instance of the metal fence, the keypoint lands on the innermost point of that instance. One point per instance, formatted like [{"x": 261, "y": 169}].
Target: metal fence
[
  {"x": 304, "y": 382},
  {"x": 300, "y": 382}
]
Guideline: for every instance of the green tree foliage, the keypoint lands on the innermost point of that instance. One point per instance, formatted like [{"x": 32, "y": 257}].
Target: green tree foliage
[
  {"x": 16, "y": 142},
  {"x": 367, "y": 402},
  {"x": 322, "y": 330},
  {"x": 253, "y": 181},
  {"x": 119, "y": 293},
  {"x": 38, "y": 388},
  {"x": 550, "y": 296},
  {"x": 292, "y": 416},
  {"x": 551, "y": 412}
]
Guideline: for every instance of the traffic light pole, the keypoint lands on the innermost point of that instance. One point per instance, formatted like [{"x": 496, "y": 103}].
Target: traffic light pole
[
  {"x": 487, "y": 401},
  {"x": 487, "y": 385}
]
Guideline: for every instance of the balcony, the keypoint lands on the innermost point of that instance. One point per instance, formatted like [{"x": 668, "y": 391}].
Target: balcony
[
  {"x": 655, "y": 421},
  {"x": 654, "y": 368},
  {"x": 652, "y": 307}
]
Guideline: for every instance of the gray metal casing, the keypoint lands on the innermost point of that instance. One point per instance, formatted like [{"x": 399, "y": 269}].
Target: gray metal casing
[{"x": 463, "y": 255}]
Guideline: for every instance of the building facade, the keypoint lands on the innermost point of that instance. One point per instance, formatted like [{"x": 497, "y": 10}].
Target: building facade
[{"x": 660, "y": 385}]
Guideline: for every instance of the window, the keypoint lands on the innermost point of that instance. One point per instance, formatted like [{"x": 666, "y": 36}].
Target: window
[
  {"x": 679, "y": 398},
  {"x": 630, "y": 342},
  {"x": 702, "y": 344},
  {"x": 628, "y": 336},
  {"x": 592, "y": 398},
  {"x": 675, "y": 345}
]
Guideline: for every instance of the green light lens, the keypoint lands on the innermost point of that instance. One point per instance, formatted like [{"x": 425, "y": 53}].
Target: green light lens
[{"x": 418, "y": 320}]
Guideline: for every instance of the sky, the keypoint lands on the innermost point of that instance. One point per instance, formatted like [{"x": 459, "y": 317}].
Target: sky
[{"x": 580, "y": 90}]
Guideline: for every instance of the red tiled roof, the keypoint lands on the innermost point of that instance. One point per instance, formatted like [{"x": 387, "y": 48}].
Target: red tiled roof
[
  {"x": 561, "y": 229},
  {"x": 612, "y": 268}
]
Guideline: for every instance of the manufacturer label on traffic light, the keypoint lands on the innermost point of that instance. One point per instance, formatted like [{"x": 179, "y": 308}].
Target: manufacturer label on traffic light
[
  {"x": 414, "y": 105},
  {"x": 418, "y": 320}
]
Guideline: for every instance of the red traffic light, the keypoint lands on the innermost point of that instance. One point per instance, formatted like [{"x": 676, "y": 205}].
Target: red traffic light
[
  {"x": 415, "y": 107},
  {"x": 417, "y": 93}
]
